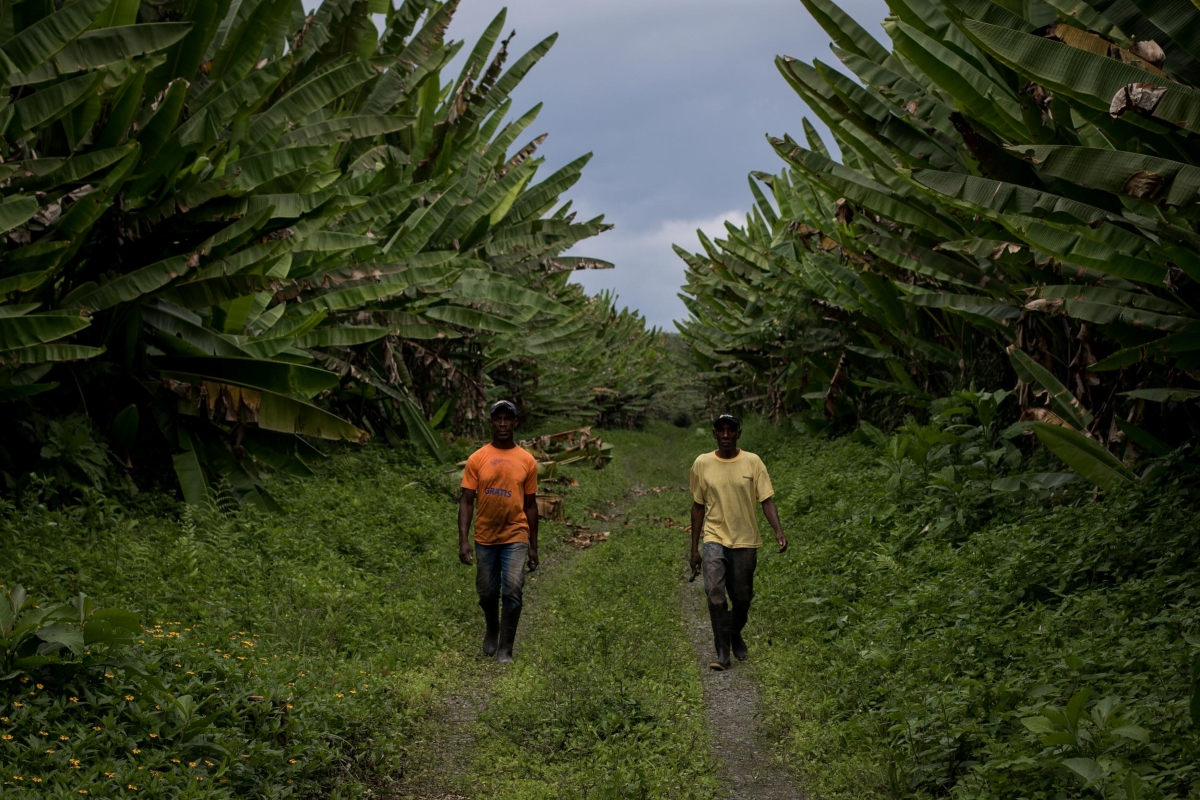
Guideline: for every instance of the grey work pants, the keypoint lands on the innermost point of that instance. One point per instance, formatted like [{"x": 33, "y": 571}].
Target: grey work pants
[{"x": 729, "y": 569}]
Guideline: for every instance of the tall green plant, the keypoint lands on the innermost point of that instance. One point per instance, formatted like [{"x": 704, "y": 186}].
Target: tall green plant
[
  {"x": 1015, "y": 203},
  {"x": 231, "y": 226}
]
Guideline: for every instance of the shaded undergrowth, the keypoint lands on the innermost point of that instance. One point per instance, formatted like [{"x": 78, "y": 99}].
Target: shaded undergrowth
[
  {"x": 1042, "y": 649},
  {"x": 1039, "y": 646},
  {"x": 310, "y": 643}
]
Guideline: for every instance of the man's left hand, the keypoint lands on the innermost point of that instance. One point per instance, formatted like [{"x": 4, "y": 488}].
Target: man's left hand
[
  {"x": 533, "y": 559},
  {"x": 783, "y": 542}
]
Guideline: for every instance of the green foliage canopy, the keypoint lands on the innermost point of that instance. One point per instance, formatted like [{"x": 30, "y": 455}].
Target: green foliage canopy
[
  {"x": 237, "y": 225},
  {"x": 1015, "y": 203}
]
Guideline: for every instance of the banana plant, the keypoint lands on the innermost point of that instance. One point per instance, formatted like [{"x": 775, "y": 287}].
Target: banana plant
[
  {"x": 1014, "y": 205},
  {"x": 244, "y": 227}
]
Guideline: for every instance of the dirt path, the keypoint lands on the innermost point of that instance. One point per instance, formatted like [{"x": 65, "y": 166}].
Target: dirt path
[
  {"x": 746, "y": 768},
  {"x": 442, "y": 751},
  {"x": 442, "y": 762}
]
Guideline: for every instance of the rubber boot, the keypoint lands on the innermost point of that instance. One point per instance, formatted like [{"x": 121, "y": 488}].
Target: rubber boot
[
  {"x": 737, "y": 643},
  {"x": 721, "y": 625},
  {"x": 508, "y": 634},
  {"x": 491, "y": 616}
]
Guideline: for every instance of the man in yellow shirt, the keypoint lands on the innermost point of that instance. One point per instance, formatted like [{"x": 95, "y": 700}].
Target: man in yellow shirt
[{"x": 726, "y": 485}]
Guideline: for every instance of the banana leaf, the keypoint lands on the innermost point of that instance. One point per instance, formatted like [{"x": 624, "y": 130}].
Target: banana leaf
[
  {"x": 1083, "y": 455},
  {"x": 275, "y": 376},
  {"x": 1034, "y": 373},
  {"x": 1164, "y": 395},
  {"x": 105, "y": 46},
  {"x": 41, "y": 40},
  {"x": 28, "y": 330}
]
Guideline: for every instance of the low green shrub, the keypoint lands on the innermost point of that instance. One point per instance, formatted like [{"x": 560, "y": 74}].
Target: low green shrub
[
  {"x": 294, "y": 651},
  {"x": 119, "y": 708},
  {"x": 1039, "y": 644}
]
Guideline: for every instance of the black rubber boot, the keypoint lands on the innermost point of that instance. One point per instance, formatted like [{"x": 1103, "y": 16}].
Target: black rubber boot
[
  {"x": 737, "y": 643},
  {"x": 491, "y": 616},
  {"x": 721, "y": 625},
  {"x": 508, "y": 634}
]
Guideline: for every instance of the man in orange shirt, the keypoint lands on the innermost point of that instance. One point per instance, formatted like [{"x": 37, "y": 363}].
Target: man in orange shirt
[{"x": 503, "y": 478}]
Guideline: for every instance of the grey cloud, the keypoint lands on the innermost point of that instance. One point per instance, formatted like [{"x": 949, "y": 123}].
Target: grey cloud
[{"x": 675, "y": 98}]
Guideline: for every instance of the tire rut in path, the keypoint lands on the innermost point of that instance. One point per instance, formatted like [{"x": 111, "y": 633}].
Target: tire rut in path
[{"x": 745, "y": 765}]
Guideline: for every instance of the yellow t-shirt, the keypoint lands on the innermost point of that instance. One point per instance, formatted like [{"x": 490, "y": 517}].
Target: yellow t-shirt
[{"x": 730, "y": 489}]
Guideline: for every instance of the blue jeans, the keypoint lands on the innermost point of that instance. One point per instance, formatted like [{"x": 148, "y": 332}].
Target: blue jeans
[{"x": 500, "y": 567}]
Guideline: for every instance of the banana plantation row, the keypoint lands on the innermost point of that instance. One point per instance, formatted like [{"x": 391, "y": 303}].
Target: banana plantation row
[
  {"x": 1015, "y": 205},
  {"x": 229, "y": 224},
  {"x": 226, "y": 224}
]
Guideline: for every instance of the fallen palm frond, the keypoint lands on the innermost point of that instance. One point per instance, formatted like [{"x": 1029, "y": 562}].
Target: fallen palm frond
[
  {"x": 568, "y": 447},
  {"x": 550, "y": 507},
  {"x": 581, "y": 538}
]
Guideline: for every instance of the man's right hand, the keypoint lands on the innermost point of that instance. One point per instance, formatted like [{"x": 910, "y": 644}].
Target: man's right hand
[
  {"x": 695, "y": 562},
  {"x": 466, "y": 553}
]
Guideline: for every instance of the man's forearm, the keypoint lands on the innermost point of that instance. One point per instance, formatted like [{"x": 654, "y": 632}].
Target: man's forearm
[
  {"x": 464, "y": 523},
  {"x": 772, "y": 514},
  {"x": 531, "y": 514},
  {"x": 697, "y": 525}
]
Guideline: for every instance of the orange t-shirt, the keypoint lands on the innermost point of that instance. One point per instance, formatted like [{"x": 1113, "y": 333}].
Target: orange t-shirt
[{"x": 503, "y": 479}]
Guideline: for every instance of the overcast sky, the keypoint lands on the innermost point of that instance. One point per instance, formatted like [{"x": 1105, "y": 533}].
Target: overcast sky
[{"x": 674, "y": 98}]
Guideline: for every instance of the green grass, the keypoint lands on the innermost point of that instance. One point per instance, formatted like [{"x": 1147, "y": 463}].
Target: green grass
[
  {"x": 1012, "y": 655},
  {"x": 604, "y": 701},
  {"x": 353, "y": 601},
  {"x": 316, "y": 645},
  {"x": 900, "y": 662}
]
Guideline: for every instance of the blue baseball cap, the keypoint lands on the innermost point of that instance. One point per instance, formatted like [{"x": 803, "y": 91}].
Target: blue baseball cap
[
  {"x": 503, "y": 405},
  {"x": 729, "y": 419}
]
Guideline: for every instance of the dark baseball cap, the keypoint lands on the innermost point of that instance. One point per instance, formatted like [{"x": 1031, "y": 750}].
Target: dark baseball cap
[
  {"x": 503, "y": 405},
  {"x": 727, "y": 419}
]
